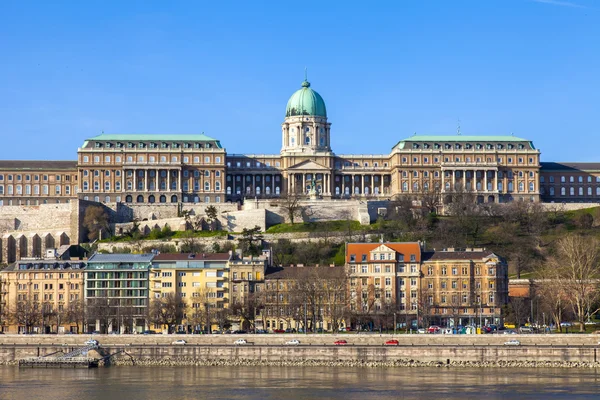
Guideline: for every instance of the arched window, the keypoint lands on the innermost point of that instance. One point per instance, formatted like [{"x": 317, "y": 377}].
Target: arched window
[
  {"x": 571, "y": 191},
  {"x": 521, "y": 186},
  {"x": 589, "y": 191},
  {"x": 228, "y": 189},
  {"x": 218, "y": 186},
  {"x": 174, "y": 199},
  {"x": 140, "y": 199},
  {"x": 107, "y": 199},
  {"x": 118, "y": 186},
  {"x": 206, "y": 186},
  {"x": 405, "y": 186},
  {"x": 307, "y": 140},
  {"x": 277, "y": 190},
  {"x": 128, "y": 199},
  {"x": 151, "y": 198},
  {"x": 552, "y": 191},
  {"x": 106, "y": 186},
  {"x": 531, "y": 187},
  {"x": 563, "y": 192},
  {"x": 163, "y": 198},
  {"x": 580, "y": 191}
]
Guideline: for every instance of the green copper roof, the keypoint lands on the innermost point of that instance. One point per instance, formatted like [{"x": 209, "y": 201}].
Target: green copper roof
[
  {"x": 462, "y": 139},
  {"x": 166, "y": 137},
  {"x": 306, "y": 102}
]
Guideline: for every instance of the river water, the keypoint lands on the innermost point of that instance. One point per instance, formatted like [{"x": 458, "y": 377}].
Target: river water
[{"x": 153, "y": 383}]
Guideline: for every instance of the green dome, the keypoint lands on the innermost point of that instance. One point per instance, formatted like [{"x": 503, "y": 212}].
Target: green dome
[{"x": 306, "y": 102}]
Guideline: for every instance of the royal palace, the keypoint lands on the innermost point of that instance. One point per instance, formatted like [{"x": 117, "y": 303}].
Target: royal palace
[{"x": 133, "y": 168}]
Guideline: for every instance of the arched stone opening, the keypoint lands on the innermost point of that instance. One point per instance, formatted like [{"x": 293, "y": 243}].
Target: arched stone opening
[
  {"x": 11, "y": 249},
  {"x": 36, "y": 246},
  {"x": 48, "y": 241},
  {"x": 64, "y": 239},
  {"x": 21, "y": 247},
  {"x": 140, "y": 199}
]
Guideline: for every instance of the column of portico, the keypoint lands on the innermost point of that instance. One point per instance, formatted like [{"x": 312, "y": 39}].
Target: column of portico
[
  {"x": 272, "y": 184},
  {"x": 123, "y": 188},
  {"x": 352, "y": 193},
  {"x": 179, "y": 180},
  {"x": 362, "y": 183},
  {"x": 381, "y": 184},
  {"x": 485, "y": 180},
  {"x": 135, "y": 188},
  {"x": 303, "y": 183},
  {"x": 372, "y": 189},
  {"x": 453, "y": 180},
  {"x": 145, "y": 179}
]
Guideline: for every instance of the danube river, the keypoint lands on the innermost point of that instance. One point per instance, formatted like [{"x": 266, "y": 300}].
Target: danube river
[{"x": 265, "y": 383}]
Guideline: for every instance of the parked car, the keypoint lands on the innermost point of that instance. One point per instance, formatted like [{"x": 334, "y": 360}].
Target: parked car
[
  {"x": 433, "y": 329},
  {"x": 421, "y": 330},
  {"x": 509, "y": 332},
  {"x": 486, "y": 329},
  {"x": 240, "y": 342},
  {"x": 149, "y": 332},
  {"x": 179, "y": 341},
  {"x": 216, "y": 332},
  {"x": 278, "y": 331},
  {"x": 566, "y": 324},
  {"x": 293, "y": 342},
  {"x": 91, "y": 342},
  {"x": 392, "y": 342},
  {"x": 526, "y": 329},
  {"x": 513, "y": 342},
  {"x": 340, "y": 342}
]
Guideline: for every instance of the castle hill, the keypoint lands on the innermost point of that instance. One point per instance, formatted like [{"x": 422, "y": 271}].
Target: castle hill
[{"x": 456, "y": 237}]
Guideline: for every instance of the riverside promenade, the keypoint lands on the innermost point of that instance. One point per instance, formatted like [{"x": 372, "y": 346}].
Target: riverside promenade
[{"x": 270, "y": 349}]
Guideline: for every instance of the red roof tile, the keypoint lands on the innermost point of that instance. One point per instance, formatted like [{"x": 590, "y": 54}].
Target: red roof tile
[{"x": 405, "y": 248}]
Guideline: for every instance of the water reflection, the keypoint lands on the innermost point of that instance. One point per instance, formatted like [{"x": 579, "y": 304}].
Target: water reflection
[{"x": 296, "y": 383}]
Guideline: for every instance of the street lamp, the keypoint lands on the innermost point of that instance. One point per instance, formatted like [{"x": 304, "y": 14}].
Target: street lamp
[{"x": 394, "y": 324}]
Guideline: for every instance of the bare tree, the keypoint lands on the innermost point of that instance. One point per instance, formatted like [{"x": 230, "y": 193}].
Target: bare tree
[
  {"x": 167, "y": 310},
  {"x": 26, "y": 313},
  {"x": 191, "y": 244},
  {"x": 577, "y": 265},
  {"x": 95, "y": 220},
  {"x": 101, "y": 311},
  {"x": 290, "y": 201},
  {"x": 75, "y": 313}
]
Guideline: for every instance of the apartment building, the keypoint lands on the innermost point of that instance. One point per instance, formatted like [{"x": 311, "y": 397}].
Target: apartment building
[
  {"x": 463, "y": 287},
  {"x": 311, "y": 298},
  {"x": 383, "y": 278},
  {"x": 42, "y": 295},
  {"x": 200, "y": 282},
  {"x": 117, "y": 293}
]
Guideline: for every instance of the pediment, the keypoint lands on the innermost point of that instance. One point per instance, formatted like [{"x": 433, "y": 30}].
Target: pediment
[{"x": 308, "y": 165}]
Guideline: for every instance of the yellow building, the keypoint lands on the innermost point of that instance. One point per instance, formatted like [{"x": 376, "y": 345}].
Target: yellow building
[
  {"x": 463, "y": 287},
  {"x": 43, "y": 296},
  {"x": 198, "y": 281}
]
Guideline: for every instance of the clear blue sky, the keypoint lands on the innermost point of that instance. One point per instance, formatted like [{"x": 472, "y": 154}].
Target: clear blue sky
[{"x": 72, "y": 69}]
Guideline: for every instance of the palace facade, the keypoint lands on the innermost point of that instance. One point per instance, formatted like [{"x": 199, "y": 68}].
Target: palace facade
[{"x": 133, "y": 168}]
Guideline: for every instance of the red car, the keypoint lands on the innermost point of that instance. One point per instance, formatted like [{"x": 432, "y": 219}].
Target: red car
[
  {"x": 340, "y": 342},
  {"x": 278, "y": 331},
  {"x": 433, "y": 329},
  {"x": 392, "y": 342}
]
